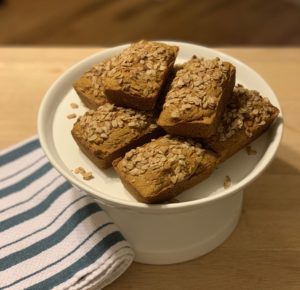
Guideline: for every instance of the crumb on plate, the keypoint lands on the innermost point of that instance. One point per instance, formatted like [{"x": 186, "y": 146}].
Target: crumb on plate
[
  {"x": 74, "y": 106},
  {"x": 227, "y": 182},
  {"x": 71, "y": 116},
  {"x": 250, "y": 150},
  {"x": 87, "y": 175}
]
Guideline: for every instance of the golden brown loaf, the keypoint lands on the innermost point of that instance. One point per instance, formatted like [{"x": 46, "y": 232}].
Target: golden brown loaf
[
  {"x": 246, "y": 117},
  {"x": 89, "y": 86},
  {"x": 137, "y": 75},
  {"x": 197, "y": 97},
  {"x": 163, "y": 168},
  {"x": 110, "y": 131}
]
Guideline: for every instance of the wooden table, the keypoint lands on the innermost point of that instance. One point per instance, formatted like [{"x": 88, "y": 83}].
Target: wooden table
[{"x": 264, "y": 250}]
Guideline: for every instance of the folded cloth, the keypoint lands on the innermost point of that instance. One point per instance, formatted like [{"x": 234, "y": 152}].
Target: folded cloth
[{"x": 53, "y": 235}]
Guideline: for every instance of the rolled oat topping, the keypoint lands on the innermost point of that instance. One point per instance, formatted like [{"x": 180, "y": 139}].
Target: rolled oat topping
[
  {"x": 190, "y": 90},
  {"x": 248, "y": 111},
  {"x": 95, "y": 76},
  {"x": 140, "y": 67},
  {"x": 176, "y": 158},
  {"x": 99, "y": 124}
]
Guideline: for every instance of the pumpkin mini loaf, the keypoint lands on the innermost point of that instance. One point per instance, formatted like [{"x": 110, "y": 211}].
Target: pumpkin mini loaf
[
  {"x": 137, "y": 75},
  {"x": 246, "y": 117},
  {"x": 197, "y": 97},
  {"x": 163, "y": 168},
  {"x": 108, "y": 132},
  {"x": 89, "y": 86}
]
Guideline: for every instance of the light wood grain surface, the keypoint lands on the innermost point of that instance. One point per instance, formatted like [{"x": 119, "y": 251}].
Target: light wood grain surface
[{"x": 264, "y": 250}]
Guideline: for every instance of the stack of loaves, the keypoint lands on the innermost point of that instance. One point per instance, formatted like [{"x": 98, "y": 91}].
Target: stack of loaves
[{"x": 165, "y": 127}]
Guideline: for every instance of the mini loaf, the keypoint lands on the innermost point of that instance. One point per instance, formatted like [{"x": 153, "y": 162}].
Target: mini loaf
[
  {"x": 246, "y": 117},
  {"x": 197, "y": 97},
  {"x": 89, "y": 86},
  {"x": 108, "y": 132},
  {"x": 138, "y": 74},
  {"x": 163, "y": 168}
]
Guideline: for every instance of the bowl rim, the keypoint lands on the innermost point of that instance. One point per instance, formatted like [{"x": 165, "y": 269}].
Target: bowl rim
[{"x": 159, "y": 208}]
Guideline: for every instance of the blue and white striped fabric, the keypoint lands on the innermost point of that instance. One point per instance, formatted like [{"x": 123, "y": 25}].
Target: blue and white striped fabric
[{"x": 51, "y": 234}]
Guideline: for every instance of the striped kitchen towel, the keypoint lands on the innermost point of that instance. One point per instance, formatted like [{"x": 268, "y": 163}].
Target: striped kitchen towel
[{"x": 51, "y": 234}]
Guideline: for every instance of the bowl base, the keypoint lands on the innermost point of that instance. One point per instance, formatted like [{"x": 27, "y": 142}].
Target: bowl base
[
  {"x": 189, "y": 253},
  {"x": 174, "y": 238}
]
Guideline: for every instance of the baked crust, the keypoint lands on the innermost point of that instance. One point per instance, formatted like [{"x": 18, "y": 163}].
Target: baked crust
[
  {"x": 197, "y": 98},
  {"x": 246, "y": 117},
  {"x": 163, "y": 168},
  {"x": 110, "y": 131},
  {"x": 138, "y": 74}
]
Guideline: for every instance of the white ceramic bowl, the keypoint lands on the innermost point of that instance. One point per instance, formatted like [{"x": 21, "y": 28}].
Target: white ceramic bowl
[{"x": 168, "y": 233}]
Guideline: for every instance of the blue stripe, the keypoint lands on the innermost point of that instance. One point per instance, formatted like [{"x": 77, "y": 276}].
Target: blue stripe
[
  {"x": 89, "y": 258},
  {"x": 31, "y": 197},
  {"x": 45, "y": 227},
  {"x": 18, "y": 152},
  {"x": 62, "y": 258},
  {"x": 23, "y": 169},
  {"x": 50, "y": 241},
  {"x": 35, "y": 211},
  {"x": 26, "y": 181}
]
